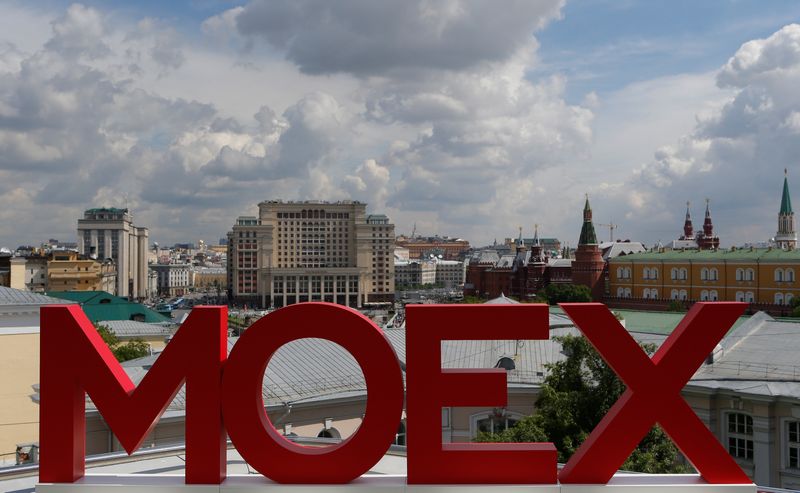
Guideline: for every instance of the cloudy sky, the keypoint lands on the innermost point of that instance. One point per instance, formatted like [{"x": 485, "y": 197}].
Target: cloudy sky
[{"x": 466, "y": 118}]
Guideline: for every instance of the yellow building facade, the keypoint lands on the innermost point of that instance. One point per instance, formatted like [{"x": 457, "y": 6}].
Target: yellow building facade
[
  {"x": 755, "y": 275},
  {"x": 66, "y": 272}
]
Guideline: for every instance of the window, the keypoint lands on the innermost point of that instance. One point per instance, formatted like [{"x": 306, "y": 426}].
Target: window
[
  {"x": 654, "y": 273},
  {"x": 654, "y": 293},
  {"x": 646, "y": 273},
  {"x": 789, "y": 275},
  {"x": 788, "y": 298},
  {"x": 683, "y": 273},
  {"x": 778, "y": 275},
  {"x": 750, "y": 275},
  {"x": 713, "y": 275},
  {"x": 740, "y": 436},
  {"x": 673, "y": 294},
  {"x": 704, "y": 274},
  {"x": 683, "y": 295},
  {"x": 704, "y": 295},
  {"x": 646, "y": 293},
  {"x": 793, "y": 443},
  {"x": 674, "y": 273},
  {"x": 712, "y": 295},
  {"x": 627, "y": 292},
  {"x": 739, "y": 296},
  {"x": 400, "y": 436},
  {"x": 748, "y": 296},
  {"x": 739, "y": 274},
  {"x": 778, "y": 298},
  {"x": 495, "y": 422},
  {"x": 620, "y": 292}
]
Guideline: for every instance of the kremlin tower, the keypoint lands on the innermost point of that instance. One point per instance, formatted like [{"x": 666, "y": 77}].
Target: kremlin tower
[
  {"x": 706, "y": 240},
  {"x": 688, "y": 230},
  {"x": 587, "y": 268},
  {"x": 787, "y": 236}
]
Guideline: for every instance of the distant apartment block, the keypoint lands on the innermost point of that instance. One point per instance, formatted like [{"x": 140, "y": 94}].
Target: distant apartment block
[
  {"x": 172, "y": 279},
  {"x": 423, "y": 247},
  {"x": 311, "y": 251},
  {"x": 444, "y": 273},
  {"x": 109, "y": 233}
]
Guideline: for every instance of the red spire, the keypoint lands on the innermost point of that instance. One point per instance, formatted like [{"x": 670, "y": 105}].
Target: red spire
[
  {"x": 688, "y": 230},
  {"x": 708, "y": 228}
]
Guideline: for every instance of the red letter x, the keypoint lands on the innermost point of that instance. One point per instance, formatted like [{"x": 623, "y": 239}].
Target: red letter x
[{"x": 653, "y": 394}]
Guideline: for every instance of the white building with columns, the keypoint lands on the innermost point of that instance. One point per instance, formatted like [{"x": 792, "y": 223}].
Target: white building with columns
[{"x": 105, "y": 233}]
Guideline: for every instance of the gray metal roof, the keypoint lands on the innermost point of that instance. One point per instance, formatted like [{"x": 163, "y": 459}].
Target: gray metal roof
[
  {"x": 10, "y": 296},
  {"x": 132, "y": 328}
]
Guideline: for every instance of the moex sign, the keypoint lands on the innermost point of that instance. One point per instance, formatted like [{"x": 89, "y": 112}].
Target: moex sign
[{"x": 224, "y": 394}]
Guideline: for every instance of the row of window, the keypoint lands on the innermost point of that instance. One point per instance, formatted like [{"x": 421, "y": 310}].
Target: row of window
[{"x": 706, "y": 274}]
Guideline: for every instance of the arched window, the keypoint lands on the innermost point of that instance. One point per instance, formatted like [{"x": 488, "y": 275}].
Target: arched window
[
  {"x": 683, "y": 273},
  {"x": 788, "y": 298},
  {"x": 674, "y": 273},
  {"x": 619, "y": 272},
  {"x": 789, "y": 275},
  {"x": 620, "y": 292},
  {"x": 750, "y": 274},
  {"x": 713, "y": 274},
  {"x": 704, "y": 295},
  {"x": 740, "y": 274},
  {"x": 704, "y": 274},
  {"x": 683, "y": 294},
  {"x": 628, "y": 272},
  {"x": 627, "y": 292},
  {"x": 778, "y": 298},
  {"x": 748, "y": 297},
  {"x": 646, "y": 293},
  {"x": 740, "y": 435},
  {"x": 646, "y": 273},
  {"x": 329, "y": 433},
  {"x": 673, "y": 295},
  {"x": 712, "y": 295},
  {"x": 739, "y": 296},
  {"x": 493, "y": 422},
  {"x": 778, "y": 275}
]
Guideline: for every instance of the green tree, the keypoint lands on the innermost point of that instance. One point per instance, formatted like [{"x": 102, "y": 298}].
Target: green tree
[
  {"x": 135, "y": 348},
  {"x": 575, "y": 396},
  {"x": 567, "y": 293},
  {"x": 795, "y": 303}
]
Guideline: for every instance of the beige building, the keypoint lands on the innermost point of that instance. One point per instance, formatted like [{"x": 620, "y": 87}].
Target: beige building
[
  {"x": 66, "y": 272},
  {"x": 173, "y": 279},
  {"x": 311, "y": 251},
  {"x": 109, "y": 233},
  {"x": 19, "y": 365}
]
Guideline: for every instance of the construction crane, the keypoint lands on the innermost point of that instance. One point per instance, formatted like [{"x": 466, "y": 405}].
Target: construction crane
[{"x": 611, "y": 227}]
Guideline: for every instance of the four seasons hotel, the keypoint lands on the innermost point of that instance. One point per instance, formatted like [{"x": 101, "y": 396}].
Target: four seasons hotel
[{"x": 311, "y": 251}]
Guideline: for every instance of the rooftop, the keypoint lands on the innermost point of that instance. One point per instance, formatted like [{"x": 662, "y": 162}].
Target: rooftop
[{"x": 732, "y": 254}]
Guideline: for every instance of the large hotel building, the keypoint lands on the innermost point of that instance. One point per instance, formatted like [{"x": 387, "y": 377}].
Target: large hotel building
[{"x": 311, "y": 251}]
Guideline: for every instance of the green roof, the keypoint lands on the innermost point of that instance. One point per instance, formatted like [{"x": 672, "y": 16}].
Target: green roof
[
  {"x": 786, "y": 201},
  {"x": 739, "y": 254},
  {"x": 112, "y": 210},
  {"x": 652, "y": 322},
  {"x": 100, "y": 305}
]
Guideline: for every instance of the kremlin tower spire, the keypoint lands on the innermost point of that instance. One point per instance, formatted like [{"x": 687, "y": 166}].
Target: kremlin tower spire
[
  {"x": 688, "y": 230},
  {"x": 787, "y": 236},
  {"x": 706, "y": 240},
  {"x": 587, "y": 268}
]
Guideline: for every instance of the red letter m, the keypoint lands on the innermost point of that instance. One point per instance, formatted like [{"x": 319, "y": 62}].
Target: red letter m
[{"x": 75, "y": 361}]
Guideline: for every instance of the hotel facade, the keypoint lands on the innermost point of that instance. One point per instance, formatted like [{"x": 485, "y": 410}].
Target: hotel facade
[{"x": 311, "y": 251}]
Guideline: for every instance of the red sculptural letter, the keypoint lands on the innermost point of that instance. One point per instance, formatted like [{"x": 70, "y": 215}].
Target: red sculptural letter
[
  {"x": 253, "y": 434},
  {"x": 430, "y": 388},
  {"x": 653, "y": 394},
  {"x": 75, "y": 361}
]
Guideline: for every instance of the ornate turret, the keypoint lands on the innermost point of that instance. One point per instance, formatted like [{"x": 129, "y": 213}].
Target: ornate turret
[
  {"x": 787, "y": 236},
  {"x": 688, "y": 230},
  {"x": 706, "y": 240},
  {"x": 587, "y": 268},
  {"x": 588, "y": 236}
]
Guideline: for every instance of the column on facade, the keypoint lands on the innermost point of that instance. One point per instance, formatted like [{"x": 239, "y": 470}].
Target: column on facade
[
  {"x": 335, "y": 289},
  {"x": 296, "y": 289},
  {"x": 761, "y": 450},
  {"x": 347, "y": 290}
]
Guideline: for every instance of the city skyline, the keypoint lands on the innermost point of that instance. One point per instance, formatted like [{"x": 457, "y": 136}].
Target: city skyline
[{"x": 456, "y": 117}]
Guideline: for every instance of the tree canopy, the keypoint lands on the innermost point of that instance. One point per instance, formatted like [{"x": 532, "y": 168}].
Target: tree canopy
[
  {"x": 135, "y": 348},
  {"x": 567, "y": 293},
  {"x": 575, "y": 396}
]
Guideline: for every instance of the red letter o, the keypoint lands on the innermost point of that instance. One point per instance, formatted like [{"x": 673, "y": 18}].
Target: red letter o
[{"x": 247, "y": 423}]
